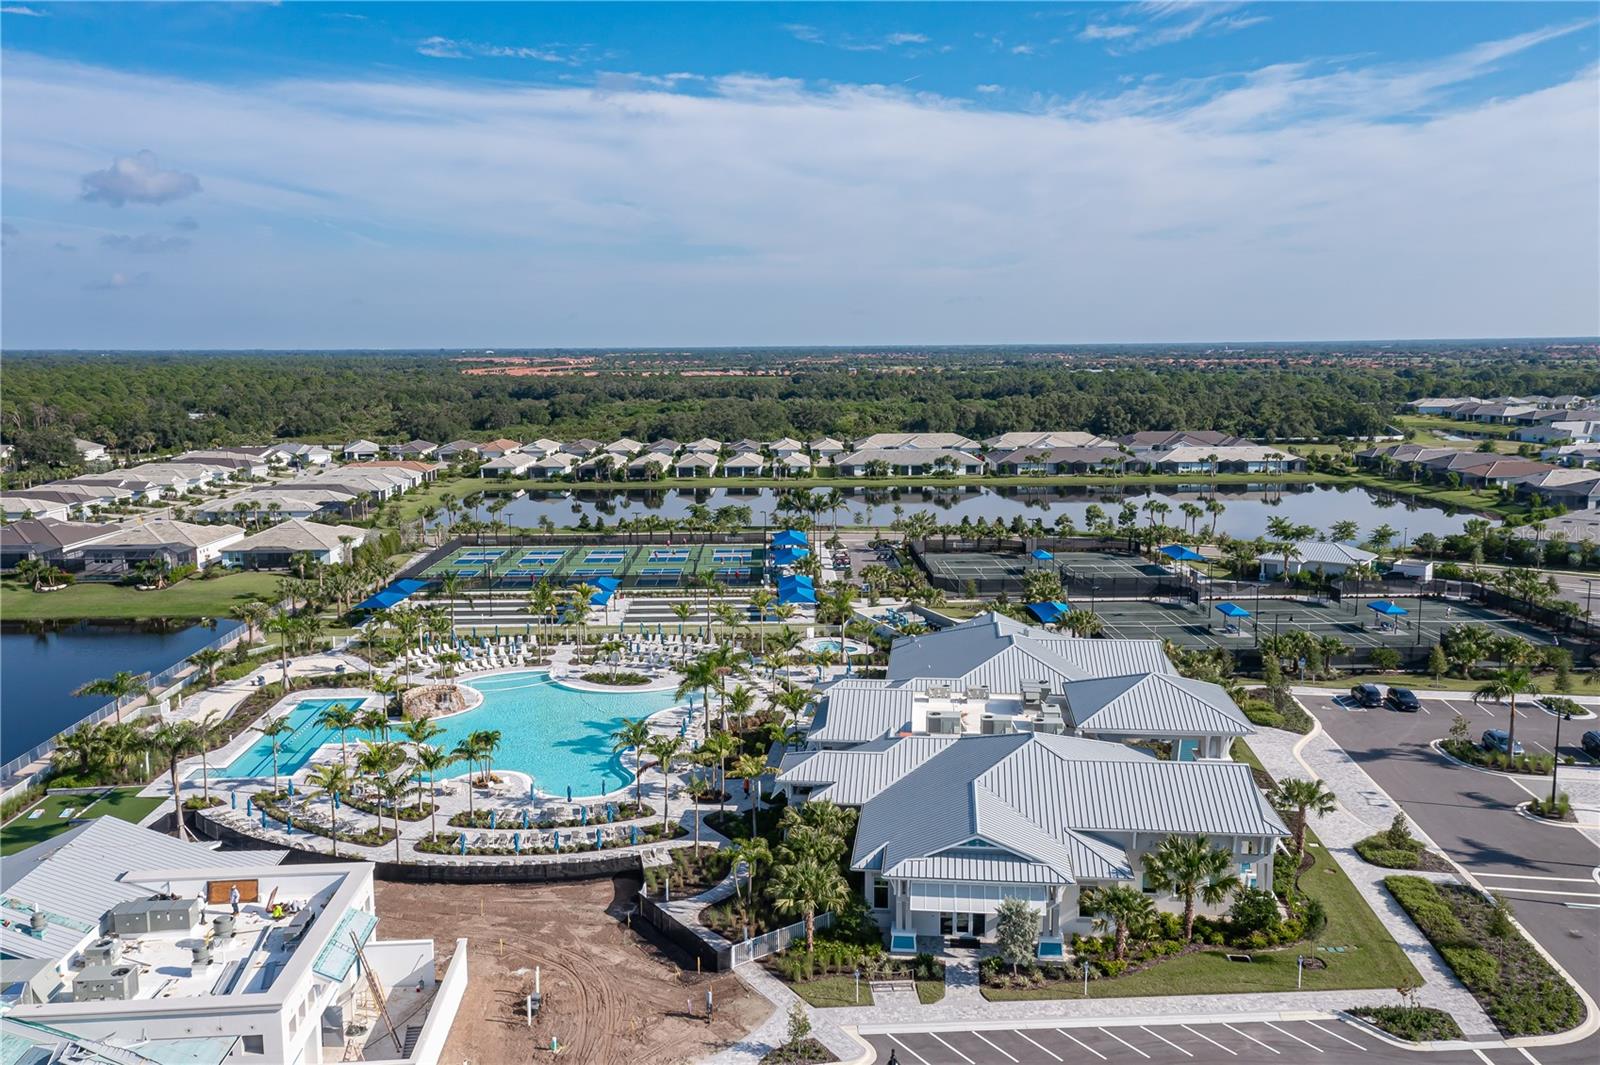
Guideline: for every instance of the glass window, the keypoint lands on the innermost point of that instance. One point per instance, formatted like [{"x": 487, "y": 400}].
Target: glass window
[
  {"x": 880, "y": 894},
  {"x": 255, "y": 1044}
]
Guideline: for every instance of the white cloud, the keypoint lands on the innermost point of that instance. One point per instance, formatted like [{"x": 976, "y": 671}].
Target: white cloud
[
  {"x": 801, "y": 31},
  {"x": 144, "y": 243},
  {"x": 137, "y": 178},
  {"x": 23, "y": 9},
  {"x": 118, "y": 280},
  {"x": 1288, "y": 202},
  {"x": 449, "y": 48},
  {"x": 1022, "y": 49},
  {"x": 1159, "y": 22},
  {"x": 906, "y": 38},
  {"x": 990, "y": 89}
]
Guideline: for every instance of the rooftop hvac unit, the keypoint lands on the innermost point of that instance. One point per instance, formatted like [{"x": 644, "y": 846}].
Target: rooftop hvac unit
[
  {"x": 944, "y": 722},
  {"x": 222, "y": 927},
  {"x": 103, "y": 951},
  {"x": 978, "y": 691},
  {"x": 938, "y": 691},
  {"x": 106, "y": 983},
  {"x": 174, "y": 915},
  {"x": 200, "y": 954}
]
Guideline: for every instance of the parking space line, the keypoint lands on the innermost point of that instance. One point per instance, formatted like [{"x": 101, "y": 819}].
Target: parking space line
[
  {"x": 1167, "y": 1041},
  {"x": 1512, "y": 889},
  {"x": 1035, "y": 1042},
  {"x": 1481, "y": 1056},
  {"x": 1081, "y": 1043},
  {"x": 908, "y": 1050},
  {"x": 1124, "y": 1042},
  {"x": 1525, "y": 876},
  {"x": 1530, "y": 1057},
  {"x": 992, "y": 1043},
  {"x": 1296, "y": 1038},
  {"x": 1336, "y": 1035},
  {"x": 1252, "y": 1038},
  {"x": 953, "y": 1050},
  {"x": 1231, "y": 1052}
]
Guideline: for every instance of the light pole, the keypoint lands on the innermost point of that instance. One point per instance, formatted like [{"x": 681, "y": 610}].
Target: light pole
[{"x": 1555, "y": 756}]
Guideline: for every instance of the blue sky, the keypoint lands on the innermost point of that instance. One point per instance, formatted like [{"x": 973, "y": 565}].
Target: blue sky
[{"x": 421, "y": 175}]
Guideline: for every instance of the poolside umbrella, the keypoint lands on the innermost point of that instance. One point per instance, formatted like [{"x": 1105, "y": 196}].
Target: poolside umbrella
[
  {"x": 494, "y": 818},
  {"x": 516, "y": 842},
  {"x": 583, "y": 815},
  {"x": 597, "y": 839},
  {"x": 569, "y": 792},
  {"x": 635, "y": 835},
  {"x": 289, "y": 824},
  {"x": 524, "y": 819},
  {"x": 462, "y": 840},
  {"x": 556, "y": 837},
  {"x": 1180, "y": 553},
  {"x": 611, "y": 811},
  {"x": 233, "y": 799},
  {"x": 263, "y": 819}
]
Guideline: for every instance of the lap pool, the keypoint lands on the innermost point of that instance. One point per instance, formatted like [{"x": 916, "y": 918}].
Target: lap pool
[
  {"x": 295, "y": 747},
  {"x": 557, "y": 735}
]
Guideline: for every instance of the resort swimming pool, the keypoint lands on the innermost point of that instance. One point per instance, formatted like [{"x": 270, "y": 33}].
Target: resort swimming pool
[
  {"x": 295, "y": 747},
  {"x": 557, "y": 735}
]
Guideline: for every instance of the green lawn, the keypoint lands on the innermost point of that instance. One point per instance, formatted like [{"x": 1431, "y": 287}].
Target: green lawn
[
  {"x": 1376, "y": 960},
  {"x": 21, "y": 832},
  {"x": 825, "y": 991},
  {"x": 1423, "y": 681},
  {"x": 185, "y": 599},
  {"x": 1434, "y": 424}
]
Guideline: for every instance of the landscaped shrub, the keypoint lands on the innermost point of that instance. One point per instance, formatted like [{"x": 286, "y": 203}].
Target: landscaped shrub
[
  {"x": 1519, "y": 990},
  {"x": 1472, "y": 754},
  {"x": 1416, "y": 1023},
  {"x": 1254, "y": 912}
]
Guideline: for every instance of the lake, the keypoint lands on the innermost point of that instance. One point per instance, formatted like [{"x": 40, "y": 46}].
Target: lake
[
  {"x": 1248, "y": 507},
  {"x": 42, "y": 668}
]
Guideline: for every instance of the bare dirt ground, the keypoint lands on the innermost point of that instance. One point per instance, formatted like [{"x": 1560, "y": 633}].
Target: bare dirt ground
[{"x": 610, "y": 994}]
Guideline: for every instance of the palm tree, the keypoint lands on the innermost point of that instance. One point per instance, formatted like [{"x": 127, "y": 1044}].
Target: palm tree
[
  {"x": 392, "y": 791},
  {"x": 751, "y": 852},
  {"x": 341, "y": 718},
  {"x": 466, "y": 752},
  {"x": 119, "y": 686},
  {"x": 282, "y": 626},
  {"x": 450, "y": 587},
  {"x": 272, "y": 728},
  {"x": 1299, "y": 798},
  {"x": 172, "y": 743},
  {"x": 720, "y": 746},
  {"x": 666, "y": 749},
  {"x": 1190, "y": 868},
  {"x": 206, "y": 731},
  {"x": 1124, "y": 910},
  {"x": 697, "y": 675},
  {"x": 433, "y": 761},
  {"x": 83, "y": 745},
  {"x": 682, "y": 611},
  {"x": 374, "y": 721},
  {"x": 740, "y": 702},
  {"x": 334, "y": 782},
  {"x": 487, "y": 743},
  {"x": 632, "y": 735},
  {"x": 750, "y": 768},
  {"x": 418, "y": 731},
  {"x": 807, "y": 887},
  {"x": 1082, "y": 623},
  {"x": 1504, "y": 686},
  {"x": 207, "y": 660}
]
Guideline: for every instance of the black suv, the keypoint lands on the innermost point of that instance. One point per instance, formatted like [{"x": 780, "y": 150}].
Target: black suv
[
  {"x": 1402, "y": 699},
  {"x": 1367, "y": 695},
  {"x": 1591, "y": 744}
]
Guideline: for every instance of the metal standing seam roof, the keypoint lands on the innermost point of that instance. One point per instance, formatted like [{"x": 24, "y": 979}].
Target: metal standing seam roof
[
  {"x": 858, "y": 713},
  {"x": 1007, "y": 655},
  {"x": 81, "y": 879},
  {"x": 1046, "y": 798},
  {"x": 1314, "y": 551},
  {"x": 854, "y": 776},
  {"x": 1153, "y": 704}
]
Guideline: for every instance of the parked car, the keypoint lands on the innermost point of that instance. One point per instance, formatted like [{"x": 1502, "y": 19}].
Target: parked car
[
  {"x": 1495, "y": 739},
  {"x": 1403, "y": 700},
  {"x": 1367, "y": 695},
  {"x": 1591, "y": 744}
]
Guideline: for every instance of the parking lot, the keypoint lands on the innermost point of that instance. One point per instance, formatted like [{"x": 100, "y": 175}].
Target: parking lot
[
  {"x": 1550, "y": 873},
  {"x": 1245, "y": 1042}
]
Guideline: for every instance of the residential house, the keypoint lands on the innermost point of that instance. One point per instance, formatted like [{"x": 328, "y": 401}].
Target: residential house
[
  {"x": 89, "y": 451},
  {"x": 511, "y": 464},
  {"x": 421, "y": 472},
  {"x": 276, "y": 548},
  {"x": 1017, "y": 441},
  {"x": 794, "y": 464},
  {"x": 16, "y": 506},
  {"x": 1437, "y": 405},
  {"x": 919, "y": 442},
  {"x": 1497, "y": 413},
  {"x": 294, "y": 454},
  {"x": 667, "y": 447},
  {"x": 650, "y": 466},
  {"x": 1160, "y": 440},
  {"x": 458, "y": 450},
  {"x": 361, "y": 450},
  {"x": 1562, "y": 428},
  {"x": 704, "y": 445},
  {"x": 178, "y": 543},
  {"x": 910, "y": 461},
  {"x": 783, "y": 447},
  {"x": 493, "y": 449},
  {"x": 697, "y": 464},
  {"x": 624, "y": 447},
  {"x": 581, "y": 448},
  {"x": 542, "y": 446},
  {"x": 1049, "y": 460},
  {"x": 555, "y": 465},
  {"x": 826, "y": 450},
  {"x": 47, "y": 539},
  {"x": 745, "y": 464},
  {"x": 1573, "y": 488},
  {"x": 1221, "y": 458},
  {"x": 1572, "y": 454},
  {"x": 414, "y": 449}
]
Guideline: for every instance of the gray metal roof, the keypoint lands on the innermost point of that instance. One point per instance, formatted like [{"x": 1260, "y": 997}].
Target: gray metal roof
[
  {"x": 1007, "y": 655},
  {"x": 78, "y": 880},
  {"x": 1154, "y": 704},
  {"x": 1047, "y": 799},
  {"x": 862, "y": 711},
  {"x": 852, "y": 777}
]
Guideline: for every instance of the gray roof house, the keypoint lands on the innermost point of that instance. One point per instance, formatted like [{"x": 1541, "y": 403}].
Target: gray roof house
[
  {"x": 951, "y": 827},
  {"x": 1009, "y": 656},
  {"x": 1316, "y": 556}
]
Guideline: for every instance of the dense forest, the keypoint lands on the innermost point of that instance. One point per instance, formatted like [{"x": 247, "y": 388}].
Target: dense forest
[{"x": 148, "y": 402}]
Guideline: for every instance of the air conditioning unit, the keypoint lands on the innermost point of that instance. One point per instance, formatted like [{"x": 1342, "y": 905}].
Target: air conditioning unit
[
  {"x": 104, "y": 951},
  {"x": 944, "y": 722},
  {"x": 939, "y": 691},
  {"x": 174, "y": 915},
  {"x": 978, "y": 691},
  {"x": 106, "y": 983}
]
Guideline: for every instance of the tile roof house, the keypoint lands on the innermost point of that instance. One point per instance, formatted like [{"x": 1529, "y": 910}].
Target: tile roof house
[
  {"x": 360, "y": 449},
  {"x": 47, "y": 539},
  {"x": 1056, "y": 460},
  {"x": 415, "y": 449},
  {"x": 918, "y": 442},
  {"x": 745, "y": 464},
  {"x": 1014, "y": 441},
  {"x": 178, "y": 542},
  {"x": 697, "y": 464},
  {"x": 458, "y": 448},
  {"x": 910, "y": 461},
  {"x": 493, "y": 449},
  {"x": 276, "y": 548}
]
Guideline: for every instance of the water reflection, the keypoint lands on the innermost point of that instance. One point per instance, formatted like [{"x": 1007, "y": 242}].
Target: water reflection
[{"x": 1247, "y": 507}]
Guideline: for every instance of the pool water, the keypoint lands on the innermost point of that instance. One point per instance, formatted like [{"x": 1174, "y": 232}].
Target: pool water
[
  {"x": 557, "y": 735},
  {"x": 296, "y": 747}
]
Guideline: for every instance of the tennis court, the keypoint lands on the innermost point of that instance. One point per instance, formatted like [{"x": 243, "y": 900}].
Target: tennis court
[
  {"x": 1081, "y": 572},
  {"x": 468, "y": 562},
  {"x": 1354, "y": 621}
]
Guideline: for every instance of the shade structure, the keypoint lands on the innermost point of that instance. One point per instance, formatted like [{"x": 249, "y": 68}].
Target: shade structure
[
  {"x": 1388, "y": 609},
  {"x": 396, "y": 593},
  {"x": 1180, "y": 553},
  {"x": 1232, "y": 610},
  {"x": 1049, "y": 613},
  {"x": 1041, "y": 555},
  {"x": 788, "y": 556},
  {"x": 605, "y": 588},
  {"x": 795, "y": 590},
  {"x": 790, "y": 538}
]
